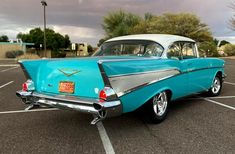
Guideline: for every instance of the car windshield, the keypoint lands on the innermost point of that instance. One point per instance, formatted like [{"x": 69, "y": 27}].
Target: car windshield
[{"x": 130, "y": 47}]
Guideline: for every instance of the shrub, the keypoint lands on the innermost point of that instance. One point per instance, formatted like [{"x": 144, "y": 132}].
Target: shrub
[
  {"x": 18, "y": 52},
  {"x": 28, "y": 56},
  {"x": 14, "y": 54},
  {"x": 229, "y": 49},
  {"x": 58, "y": 54},
  {"x": 10, "y": 54}
]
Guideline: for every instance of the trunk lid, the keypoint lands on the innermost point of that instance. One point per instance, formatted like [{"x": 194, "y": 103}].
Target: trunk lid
[{"x": 84, "y": 73}]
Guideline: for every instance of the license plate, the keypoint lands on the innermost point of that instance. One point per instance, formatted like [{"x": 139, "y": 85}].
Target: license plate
[{"x": 66, "y": 87}]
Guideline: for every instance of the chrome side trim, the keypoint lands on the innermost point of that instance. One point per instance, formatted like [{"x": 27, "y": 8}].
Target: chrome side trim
[
  {"x": 178, "y": 72},
  {"x": 127, "y": 83},
  {"x": 200, "y": 69},
  {"x": 146, "y": 72}
]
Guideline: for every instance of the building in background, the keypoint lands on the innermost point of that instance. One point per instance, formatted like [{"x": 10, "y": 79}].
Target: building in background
[
  {"x": 78, "y": 50},
  {"x": 82, "y": 50},
  {"x": 13, "y": 46}
]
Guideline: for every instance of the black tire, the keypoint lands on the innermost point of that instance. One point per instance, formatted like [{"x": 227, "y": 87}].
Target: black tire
[
  {"x": 157, "y": 107},
  {"x": 216, "y": 86}
]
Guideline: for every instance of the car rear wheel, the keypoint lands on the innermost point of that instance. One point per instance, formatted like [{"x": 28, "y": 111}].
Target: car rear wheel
[
  {"x": 158, "y": 107},
  {"x": 216, "y": 87}
]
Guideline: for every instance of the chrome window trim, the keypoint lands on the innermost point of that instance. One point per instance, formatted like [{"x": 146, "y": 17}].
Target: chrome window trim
[
  {"x": 134, "y": 40},
  {"x": 131, "y": 59}
]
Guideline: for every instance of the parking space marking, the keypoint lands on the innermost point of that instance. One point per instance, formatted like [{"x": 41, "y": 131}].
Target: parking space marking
[
  {"x": 103, "y": 134},
  {"x": 220, "y": 97},
  {"x": 108, "y": 147},
  {"x": 25, "y": 111},
  {"x": 8, "y": 65},
  {"x": 218, "y": 103},
  {"x": 9, "y": 69},
  {"x": 230, "y": 83},
  {"x": 6, "y": 84}
]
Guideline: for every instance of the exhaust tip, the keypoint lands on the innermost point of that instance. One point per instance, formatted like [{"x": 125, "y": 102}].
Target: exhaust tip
[
  {"x": 97, "y": 106},
  {"x": 17, "y": 94}
]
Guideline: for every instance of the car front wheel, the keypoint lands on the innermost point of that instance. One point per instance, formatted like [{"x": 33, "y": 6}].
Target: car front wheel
[
  {"x": 158, "y": 107},
  {"x": 216, "y": 87}
]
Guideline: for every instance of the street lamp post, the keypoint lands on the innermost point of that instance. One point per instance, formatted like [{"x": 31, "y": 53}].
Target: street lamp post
[{"x": 44, "y": 4}]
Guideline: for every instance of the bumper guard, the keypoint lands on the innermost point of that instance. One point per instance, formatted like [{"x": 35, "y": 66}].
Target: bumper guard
[{"x": 86, "y": 105}]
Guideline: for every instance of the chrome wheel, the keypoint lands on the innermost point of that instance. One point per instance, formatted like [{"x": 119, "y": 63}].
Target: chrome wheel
[
  {"x": 160, "y": 103},
  {"x": 216, "y": 85}
]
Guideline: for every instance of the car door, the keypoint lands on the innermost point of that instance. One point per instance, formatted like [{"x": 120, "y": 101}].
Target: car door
[
  {"x": 195, "y": 67},
  {"x": 194, "y": 72},
  {"x": 174, "y": 53}
]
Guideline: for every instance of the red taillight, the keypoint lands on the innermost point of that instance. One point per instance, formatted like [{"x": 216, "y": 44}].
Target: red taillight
[
  {"x": 107, "y": 94},
  {"x": 24, "y": 87},
  {"x": 103, "y": 95}
]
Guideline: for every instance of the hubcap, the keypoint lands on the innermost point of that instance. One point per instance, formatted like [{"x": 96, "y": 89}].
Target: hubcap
[
  {"x": 216, "y": 85},
  {"x": 160, "y": 103}
]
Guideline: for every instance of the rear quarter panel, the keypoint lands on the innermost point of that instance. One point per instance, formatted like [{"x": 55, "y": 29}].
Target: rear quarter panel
[
  {"x": 178, "y": 84},
  {"x": 133, "y": 99}
]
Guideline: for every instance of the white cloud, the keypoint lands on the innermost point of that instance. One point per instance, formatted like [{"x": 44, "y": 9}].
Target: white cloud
[{"x": 80, "y": 34}]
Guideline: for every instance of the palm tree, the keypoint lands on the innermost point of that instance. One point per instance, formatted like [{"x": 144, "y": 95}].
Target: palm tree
[{"x": 119, "y": 23}]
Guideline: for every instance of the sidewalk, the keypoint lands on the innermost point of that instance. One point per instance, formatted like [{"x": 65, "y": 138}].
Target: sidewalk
[
  {"x": 5, "y": 62},
  {"x": 230, "y": 57}
]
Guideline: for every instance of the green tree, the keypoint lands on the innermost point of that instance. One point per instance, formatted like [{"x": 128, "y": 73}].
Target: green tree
[
  {"x": 208, "y": 48},
  {"x": 101, "y": 41},
  {"x": 182, "y": 24},
  {"x": 119, "y": 23},
  {"x": 144, "y": 25},
  {"x": 4, "y": 38},
  {"x": 220, "y": 43},
  {"x": 54, "y": 40},
  {"x": 229, "y": 49},
  {"x": 89, "y": 49},
  {"x": 224, "y": 42}
]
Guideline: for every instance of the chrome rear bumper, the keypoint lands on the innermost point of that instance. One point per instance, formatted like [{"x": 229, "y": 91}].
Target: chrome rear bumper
[{"x": 85, "y": 105}]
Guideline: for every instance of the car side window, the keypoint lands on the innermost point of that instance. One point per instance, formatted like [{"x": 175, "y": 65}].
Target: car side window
[
  {"x": 188, "y": 50},
  {"x": 182, "y": 50},
  {"x": 174, "y": 51},
  {"x": 153, "y": 49}
]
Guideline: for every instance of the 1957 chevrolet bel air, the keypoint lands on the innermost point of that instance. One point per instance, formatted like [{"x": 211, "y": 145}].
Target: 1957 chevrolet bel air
[{"x": 126, "y": 73}]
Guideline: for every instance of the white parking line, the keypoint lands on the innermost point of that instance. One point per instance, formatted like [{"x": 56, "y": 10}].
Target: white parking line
[
  {"x": 217, "y": 97},
  {"x": 103, "y": 134},
  {"x": 9, "y": 65},
  {"x": 6, "y": 84},
  {"x": 220, "y": 97},
  {"x": 9, "y": 69},
  {"x": 230, "y": 83},
  {"x": 108, "y": 147},
  {"x": 218, "y": 103},
  {"x": 25, "y": 111}
]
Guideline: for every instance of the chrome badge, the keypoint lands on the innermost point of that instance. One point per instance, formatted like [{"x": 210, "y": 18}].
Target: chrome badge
[{"x": 69, "y": 72}]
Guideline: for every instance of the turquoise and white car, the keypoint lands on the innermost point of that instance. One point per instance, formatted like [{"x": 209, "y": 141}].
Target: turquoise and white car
[{"x": 125, "y": 74}]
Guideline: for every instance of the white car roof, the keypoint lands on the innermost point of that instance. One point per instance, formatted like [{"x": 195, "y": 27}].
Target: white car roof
[{"x": 164, "y": 39}]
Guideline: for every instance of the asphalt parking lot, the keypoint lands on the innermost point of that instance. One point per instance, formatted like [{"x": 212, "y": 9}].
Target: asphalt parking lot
[{"x": 194, "y": 125}]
